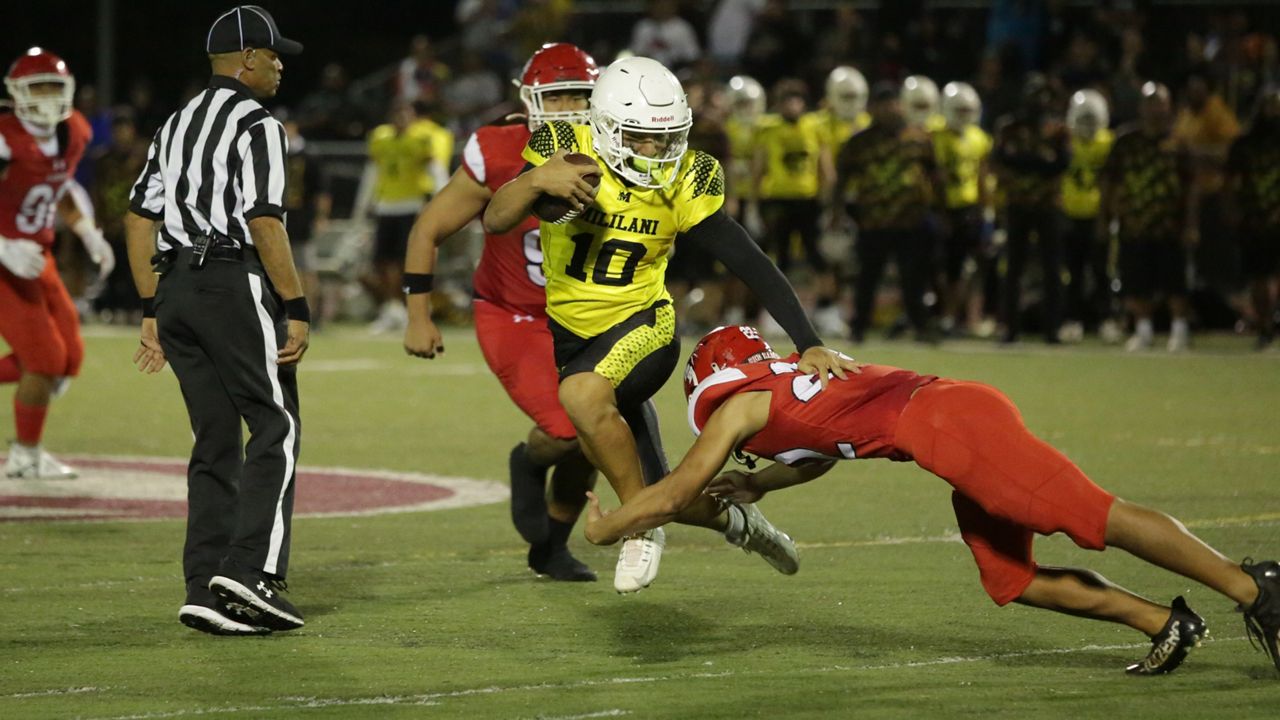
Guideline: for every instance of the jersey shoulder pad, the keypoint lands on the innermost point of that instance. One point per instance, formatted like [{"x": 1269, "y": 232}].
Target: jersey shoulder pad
[
  {"x": 553, "y": 136},
  {"x": 704, "y": 176}
]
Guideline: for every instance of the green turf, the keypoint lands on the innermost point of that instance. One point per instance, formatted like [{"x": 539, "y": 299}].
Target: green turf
[{"x": 433, "y": 615}]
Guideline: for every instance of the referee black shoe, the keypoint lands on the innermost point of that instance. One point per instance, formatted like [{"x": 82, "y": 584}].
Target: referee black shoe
[
  {"x": 203, "y": 612},
  {"x": 1170, "y": 646},
  {"x": 257, "y": 595},
  {"x": 1262, "y": 618}
]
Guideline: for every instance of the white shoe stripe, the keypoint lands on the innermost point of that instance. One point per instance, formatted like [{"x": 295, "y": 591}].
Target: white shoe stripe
[{"x": 271, "y": 349}]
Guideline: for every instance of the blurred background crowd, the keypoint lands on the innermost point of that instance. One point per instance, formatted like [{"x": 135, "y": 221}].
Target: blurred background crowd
[{"x": 995, "y": 199}]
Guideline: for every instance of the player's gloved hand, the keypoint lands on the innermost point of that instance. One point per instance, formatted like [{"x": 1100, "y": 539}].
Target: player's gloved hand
[
  {"x": 24, "y": 258},
  {"x": 95, "y": 243},
  {"x": 562, "y": 179},
  {"x": 826, "y": 362},
  {"x": 423, "y": 339},
  {"x": 735, "y": 486}
]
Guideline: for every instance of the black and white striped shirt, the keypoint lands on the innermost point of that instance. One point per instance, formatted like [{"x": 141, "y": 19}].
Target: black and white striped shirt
[{"x": 213, "y": 166}]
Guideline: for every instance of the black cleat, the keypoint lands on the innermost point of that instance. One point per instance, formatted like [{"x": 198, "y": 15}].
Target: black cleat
[
  {"x": 1262, "y": 618},
  {"x": 528, "y": 497},
  {"x": 256, "y": 596},
  {"x": 558, "y": 563},
  {"x": 1170, "y": 646},
  {"x": 205, "y": 613}
]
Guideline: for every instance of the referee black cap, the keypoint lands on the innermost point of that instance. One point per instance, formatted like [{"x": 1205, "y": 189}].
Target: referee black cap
[{"x": 248, "y": 26}]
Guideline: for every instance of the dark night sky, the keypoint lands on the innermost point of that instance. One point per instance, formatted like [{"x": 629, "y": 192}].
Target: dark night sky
[{"x": 164, "y": 39}]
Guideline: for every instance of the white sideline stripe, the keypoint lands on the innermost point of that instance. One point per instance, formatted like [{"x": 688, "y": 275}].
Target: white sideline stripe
[
  {"x": 271, "y": 350},
  {"x": 433, "y": 698},
  {"x": 56, "y": 691}
]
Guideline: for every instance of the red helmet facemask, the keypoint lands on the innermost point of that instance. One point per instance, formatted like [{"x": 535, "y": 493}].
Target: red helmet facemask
[
  {"x": 556, "y": 67},
  {"x": 29, "y": 82},
  {"x": 724, "y": 347}
]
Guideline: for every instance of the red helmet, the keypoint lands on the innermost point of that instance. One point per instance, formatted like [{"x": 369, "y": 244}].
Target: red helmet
[
  {"x": 39, "y": 67},
  {"x": 723, "y": 348},
  {"x": 556, "y": 67}
]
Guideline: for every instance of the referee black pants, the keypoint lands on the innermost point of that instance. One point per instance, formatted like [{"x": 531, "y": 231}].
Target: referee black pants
[{"x": 220, "y": 327}]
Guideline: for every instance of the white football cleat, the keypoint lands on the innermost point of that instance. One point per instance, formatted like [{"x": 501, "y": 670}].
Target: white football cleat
[
  {"x": 34, "y": 463},
  {"x": 638, "y": 561},
  {"x": 1138, "y": 342},
  {"x": 759, "y": 536}
]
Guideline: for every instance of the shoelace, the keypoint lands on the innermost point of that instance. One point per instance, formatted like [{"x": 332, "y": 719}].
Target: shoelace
[{"x": 636, "y": 551}]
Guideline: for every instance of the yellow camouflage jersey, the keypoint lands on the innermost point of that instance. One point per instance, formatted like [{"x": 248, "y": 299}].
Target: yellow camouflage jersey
[
  {"x": 401, "y": 159},
  {"x": 742, "y": 144},
  {"x": 835, "y": 132},
  {"x": 1080, "y": 193},
  {"x": 611, "y": 261},
  {"x": 791, "y": 157},
  {"x": 890, "y": 176},
  {"x": 1152, "y": 176},
  {"x": 1254, "y": 164},
  {"x": 960, "y": 156}
]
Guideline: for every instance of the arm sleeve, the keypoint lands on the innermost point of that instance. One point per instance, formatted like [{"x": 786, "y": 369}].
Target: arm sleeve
[
  {"x": 725, "y": 240},
  {"x": 147, "y": 197},
  {"x": 262, "y": 169}
]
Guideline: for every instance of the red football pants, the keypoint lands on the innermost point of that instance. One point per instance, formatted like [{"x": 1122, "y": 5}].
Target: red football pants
[
  {"x": 39, "y": 322},
  {"x": 1008, "y": 483}
]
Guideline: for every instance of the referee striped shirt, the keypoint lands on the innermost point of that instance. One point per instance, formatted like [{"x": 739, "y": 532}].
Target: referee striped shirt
[{"x": 212, "y": 167}]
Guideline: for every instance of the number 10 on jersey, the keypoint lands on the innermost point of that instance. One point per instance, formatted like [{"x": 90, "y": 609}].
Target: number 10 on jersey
[{"x": 583, "y": 246}]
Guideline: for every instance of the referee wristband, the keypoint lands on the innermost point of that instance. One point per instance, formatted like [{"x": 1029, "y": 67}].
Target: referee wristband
[
  {"x": 148, "y": 307},
  {"x": 418, "y": 283},
  {"x": 298, "y": 309}
]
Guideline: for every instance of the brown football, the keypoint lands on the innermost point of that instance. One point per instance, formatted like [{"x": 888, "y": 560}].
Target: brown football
[{"x": 553, "y": 209}]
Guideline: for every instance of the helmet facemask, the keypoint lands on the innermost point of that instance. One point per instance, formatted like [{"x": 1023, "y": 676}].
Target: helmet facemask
[
  {"x": 532, "y": 97},
  {"x": 37, "y": 102},
  {"x": 626, "y": 148}
]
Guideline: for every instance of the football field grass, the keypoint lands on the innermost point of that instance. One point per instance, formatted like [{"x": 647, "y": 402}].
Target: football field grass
[{"x": 433, "y": 614}]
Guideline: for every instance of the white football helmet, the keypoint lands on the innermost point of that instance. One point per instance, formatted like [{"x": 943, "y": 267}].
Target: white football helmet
[
  {"x": 919, "y": 97},
  {"x": 638, "y": 102},
  {"x": 746, "y": 98},
  {"x": 1087, "y": 114},
  {"x": 847, "y": 92},
  {"x": 961, "y": 105}
]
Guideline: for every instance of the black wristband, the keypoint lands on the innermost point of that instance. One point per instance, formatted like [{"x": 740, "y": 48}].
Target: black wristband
[
  {"x": 418, "y": 283},
  {"x": 297, "y": 309},
  {"x": 148, "y": 307}
]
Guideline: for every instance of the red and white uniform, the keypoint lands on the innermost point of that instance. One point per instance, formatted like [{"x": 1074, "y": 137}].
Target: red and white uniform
[
  {"x": 37, "y": 317},
  {"x": 1009, "y": 484},
  {"x": 511, "y": 299}
]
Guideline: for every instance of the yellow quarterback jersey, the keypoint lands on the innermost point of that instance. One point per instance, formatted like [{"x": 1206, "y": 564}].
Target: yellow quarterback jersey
[
  {"x": 960, "y": 156},
  {"x": 835, "y": 131},
  {"x": 441, "y": 144},
  {"x": 1080, "y": 193},
  {"x": 401, "y": 159},
  {"x": 791, "y": 157},
  {"x": 742, "y": 145},
  {"x": 610, "y": 262}
]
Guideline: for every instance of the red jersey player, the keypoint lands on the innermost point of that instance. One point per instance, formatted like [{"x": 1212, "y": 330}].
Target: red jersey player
[
  {"x": 510, "y": 306},
  {"x": 41, "y": 142},
  {"x": 1007, "y": 484}
]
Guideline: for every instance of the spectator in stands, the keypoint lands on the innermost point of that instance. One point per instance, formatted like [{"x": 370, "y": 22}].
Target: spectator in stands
[
  {"x": 1252, "y": 167},
  {"x": 328, "y": 113},
  {"x": 777, "y": 44},
  {"x": 665, "y": 36},
  {"x": 1031, "y": 154},
  {"x": 471, "y": 92},
  {"x": 307, "y": 205},
  {"x": 729, "y": 29},
  {"x": 421, "y": 76},
  {"x": 116, "y": 169}
]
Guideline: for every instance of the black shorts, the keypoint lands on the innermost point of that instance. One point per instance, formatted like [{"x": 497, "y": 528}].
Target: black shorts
[
  {"x": 1261, "y": 254},
  {"x": 961, "y": 243},
  {"x": 637, "y": 355},
  {"x": 1151, "y": 267},
  {"x": 391, "y": 238}
]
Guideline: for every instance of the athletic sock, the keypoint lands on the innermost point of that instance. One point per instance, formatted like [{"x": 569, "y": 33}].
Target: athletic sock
[
  {"x": 1144, "y": 328},
  {"x": 29, "y": 422},
  {"x": 1179, "y": 328},
  {"x": 558, "y": 532},
  {"x": 10, "y": 370},
  {"x": 737, "y": 525}
]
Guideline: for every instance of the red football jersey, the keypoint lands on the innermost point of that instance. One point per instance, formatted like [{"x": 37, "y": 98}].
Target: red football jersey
[
  {"x": 852, "y": 418},
  {"x": 37, "y": 175},
  {"x": 510, "y": 270}
]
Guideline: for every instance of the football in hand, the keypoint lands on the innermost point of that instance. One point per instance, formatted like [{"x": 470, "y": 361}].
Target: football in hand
[{"x": 549, "y": 208}]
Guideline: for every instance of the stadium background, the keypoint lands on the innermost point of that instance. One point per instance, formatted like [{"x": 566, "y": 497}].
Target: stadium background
[{"x": 434, "y": 615}]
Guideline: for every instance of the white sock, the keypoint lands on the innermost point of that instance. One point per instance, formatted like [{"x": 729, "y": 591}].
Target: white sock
[
  {"x": 1144, "y": 329},
  {"x": 1179, "y": 328},
  {"x": 737, "y": 528}
]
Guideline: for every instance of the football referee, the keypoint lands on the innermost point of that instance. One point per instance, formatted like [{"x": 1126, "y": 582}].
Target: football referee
[{"x": 223, "y": 305}]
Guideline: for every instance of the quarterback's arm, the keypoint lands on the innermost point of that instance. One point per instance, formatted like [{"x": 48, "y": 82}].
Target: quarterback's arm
[
  {"x": 725, "y": 240},
  {"x": 458, "y": 203},
  {"x": 555, "y": 177},
  {"x": 740, "y": 417},
  {"x": 745, "y": 487}
]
